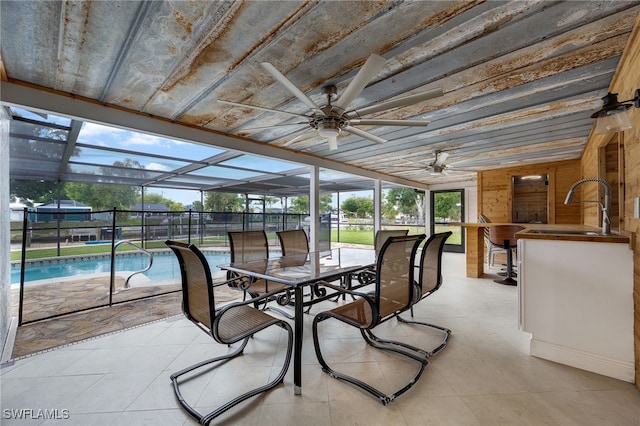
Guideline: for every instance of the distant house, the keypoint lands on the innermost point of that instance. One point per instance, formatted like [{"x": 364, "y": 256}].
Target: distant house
[
  {"x": 69, "y": 210},
  {"x": 150, "y": 209},
  {"x": 17, "y": 206}
]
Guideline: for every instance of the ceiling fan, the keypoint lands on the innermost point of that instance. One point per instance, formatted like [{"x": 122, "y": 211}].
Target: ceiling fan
[
  {"x": 438, "y": 166},
  {"x": 334, "y": 117}
]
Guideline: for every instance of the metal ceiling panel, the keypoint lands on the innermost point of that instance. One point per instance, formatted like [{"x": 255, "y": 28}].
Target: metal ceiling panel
[{"x": 520, "y": 78}]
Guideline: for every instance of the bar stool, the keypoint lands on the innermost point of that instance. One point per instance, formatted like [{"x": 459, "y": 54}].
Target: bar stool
[{"x": 504, "y": 235}]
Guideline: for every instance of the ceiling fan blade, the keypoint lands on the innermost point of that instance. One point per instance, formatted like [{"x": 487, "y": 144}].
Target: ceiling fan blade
[
  {"x": 370, "y": 69},
  {"x": 261, "y": 108},
  {"x": 364, "y": 134},
  {"x": 293, "y": 140},
  {"x": 398, "y": 102},
  {"x": 441, "y": 158},
  {"x": 402, "y": 168},
  {"x": 273, "y": 126},
  {"x": 373, "y": 122},
  {"x": 289, "y": 85}
]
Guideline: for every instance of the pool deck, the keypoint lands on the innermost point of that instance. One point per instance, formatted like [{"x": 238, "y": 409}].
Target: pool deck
[
  {"x": 60, "y": 296},
  {"x": 53, "y": 298}
]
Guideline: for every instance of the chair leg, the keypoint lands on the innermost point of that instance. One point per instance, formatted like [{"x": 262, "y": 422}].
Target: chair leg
[
  {"x": 205, "y": 419},
  {"x": 446, "y": 333},
  {"x": 395, "y": 347}
]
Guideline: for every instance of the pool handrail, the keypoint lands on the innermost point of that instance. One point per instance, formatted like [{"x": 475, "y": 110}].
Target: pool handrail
[{"x": 147, "y": 252}]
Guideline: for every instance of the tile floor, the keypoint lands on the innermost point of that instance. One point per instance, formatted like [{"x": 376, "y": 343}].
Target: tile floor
[{"x": 484, "y": 377}]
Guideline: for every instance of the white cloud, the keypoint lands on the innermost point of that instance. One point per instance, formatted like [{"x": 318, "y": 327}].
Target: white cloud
[
  {"x": 93, "y": 129},
  {"x": 100, "y": 135},
  {"x": 143, "y": 139},
  {"x": 158, "y": 167}
]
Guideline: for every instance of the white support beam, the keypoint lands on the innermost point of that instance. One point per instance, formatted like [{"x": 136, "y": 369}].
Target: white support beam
[
  {"x": 377, "y": 206},
  {"x": 314, "y": 206}
]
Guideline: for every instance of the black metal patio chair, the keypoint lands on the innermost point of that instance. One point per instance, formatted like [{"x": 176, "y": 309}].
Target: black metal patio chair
[
  {"x": 393, "y": 295},
  {"x": 368, "y": 275},
  {"x": 228, "y": 324},
  {"x": 429, "y": 281},
  {"x": 247, "y": 246},
  {"x": 293, "y": 242}
]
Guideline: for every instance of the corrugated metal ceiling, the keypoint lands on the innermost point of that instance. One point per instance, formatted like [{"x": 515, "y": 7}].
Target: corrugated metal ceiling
[{"x": 520, "y": 78}]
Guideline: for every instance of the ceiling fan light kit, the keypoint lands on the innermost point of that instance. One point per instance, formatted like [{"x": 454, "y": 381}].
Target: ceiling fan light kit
[{"x": 330, "y": 120}]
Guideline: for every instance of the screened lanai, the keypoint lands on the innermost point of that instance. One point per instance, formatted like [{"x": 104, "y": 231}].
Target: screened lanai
[{"x": 52, "y": 147}]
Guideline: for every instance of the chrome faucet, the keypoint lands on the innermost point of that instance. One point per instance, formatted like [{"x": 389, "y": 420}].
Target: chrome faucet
[{"x": 606, "y": 208}]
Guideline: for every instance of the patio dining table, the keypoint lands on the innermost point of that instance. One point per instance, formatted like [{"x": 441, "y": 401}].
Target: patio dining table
[{"x": 299, "y": 271}]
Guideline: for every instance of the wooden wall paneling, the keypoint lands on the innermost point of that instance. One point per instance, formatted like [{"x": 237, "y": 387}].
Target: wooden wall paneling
[
  {"x": 621, "y": 183},
  {"x": 625, "y": 82},
  {"x": 611, "y": 175},
  {"x": 496, "y": 186},
  {"x": 530, "y": 201}
]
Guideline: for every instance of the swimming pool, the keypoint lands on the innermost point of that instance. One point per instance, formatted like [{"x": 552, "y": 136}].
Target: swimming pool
[{"x": 165, "y": 266}]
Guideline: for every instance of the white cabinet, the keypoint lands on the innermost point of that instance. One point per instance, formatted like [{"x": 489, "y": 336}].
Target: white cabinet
[{"x": 576, "y": 299}]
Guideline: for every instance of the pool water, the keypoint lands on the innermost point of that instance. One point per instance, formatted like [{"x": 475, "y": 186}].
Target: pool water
[{"x": 165, "y": 267}]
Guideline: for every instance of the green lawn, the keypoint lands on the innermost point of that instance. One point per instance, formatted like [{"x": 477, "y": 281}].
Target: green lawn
[
  {"x": 349, "y": 236},
  {"x": 352, "y": 236},
  {"x": 357, "y": 236},
  {"x": 456, "y": 237}
]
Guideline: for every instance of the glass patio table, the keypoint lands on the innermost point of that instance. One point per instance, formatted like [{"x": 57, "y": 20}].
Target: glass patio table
[{"x": 299, "y": 271}]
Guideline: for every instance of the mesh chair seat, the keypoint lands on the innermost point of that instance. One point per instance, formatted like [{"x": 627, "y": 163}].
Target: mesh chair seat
[
  {"x": 240, "y": 322},
  {"x": 393, "y": 295},
  {"x": 358, "y": 313},
  {"x": 228, "y": 324}
]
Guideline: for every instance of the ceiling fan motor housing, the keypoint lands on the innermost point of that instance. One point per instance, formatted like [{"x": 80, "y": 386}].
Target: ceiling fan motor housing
[{"x": 329, "y": 125}]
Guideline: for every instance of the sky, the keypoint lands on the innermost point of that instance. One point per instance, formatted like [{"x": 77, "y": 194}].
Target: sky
[{"x": 100, "y": 136}]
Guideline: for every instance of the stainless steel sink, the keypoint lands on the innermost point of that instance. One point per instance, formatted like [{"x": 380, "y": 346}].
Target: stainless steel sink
[{"x": 563, "y": 231}]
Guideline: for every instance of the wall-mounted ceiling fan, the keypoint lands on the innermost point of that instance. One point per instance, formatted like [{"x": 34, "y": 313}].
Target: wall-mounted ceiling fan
[{"x": 334, "y": 117}]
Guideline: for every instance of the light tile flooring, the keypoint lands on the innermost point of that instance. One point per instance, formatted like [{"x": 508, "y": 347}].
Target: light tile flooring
[{"x": 484, "y": 377}]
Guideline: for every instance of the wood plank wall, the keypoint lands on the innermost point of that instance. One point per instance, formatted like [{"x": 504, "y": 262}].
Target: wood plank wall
[
  {"x": 530, "y": 201},
  {"x": 495, "y": 191},
  {"x": 625, "y": 82}
]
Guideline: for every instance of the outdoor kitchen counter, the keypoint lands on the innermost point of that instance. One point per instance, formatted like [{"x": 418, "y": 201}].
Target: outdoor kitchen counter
[
  {"x": 573, "y": 233},
  {"x": 475, "y": 249},
  {"x": 575, "y": 294}
]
